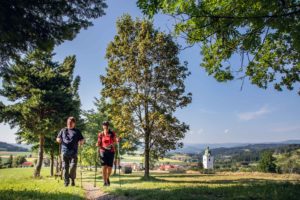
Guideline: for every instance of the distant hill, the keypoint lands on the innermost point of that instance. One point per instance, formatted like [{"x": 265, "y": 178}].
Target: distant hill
[
  {"x": 198, "y": 148},
  {"x": 291, "y": 142},
  {"x": 9, "y": 147},
  {"x": 26, "y": 146},
  {"x": 252, "y": 148}
]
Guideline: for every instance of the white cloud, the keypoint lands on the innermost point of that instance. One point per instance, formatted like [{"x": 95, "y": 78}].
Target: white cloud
[
  {"x": 246, "y": 116},
  {"x": 226, "y": 131}
]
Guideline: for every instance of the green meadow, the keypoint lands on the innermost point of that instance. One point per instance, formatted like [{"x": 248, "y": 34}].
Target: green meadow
[
  {"x": 17, "y": 184},
  {"x": 206, "y": 186}
]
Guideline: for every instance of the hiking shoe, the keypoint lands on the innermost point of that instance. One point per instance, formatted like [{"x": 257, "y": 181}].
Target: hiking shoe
[
  {"x": 108, "y": 182},
  {"x": 73, "y": 182},
  {"x": 66, "y": 184},
  {"x": 105, "y": 184}
]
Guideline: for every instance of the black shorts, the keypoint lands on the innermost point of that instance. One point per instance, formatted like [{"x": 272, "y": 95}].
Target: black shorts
[{"x": 107, "y": 158}]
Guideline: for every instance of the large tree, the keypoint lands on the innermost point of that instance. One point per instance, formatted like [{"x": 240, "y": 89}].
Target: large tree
[
  {"x": 264, "y": 35},
  {"x": 144, "y": 86},
  {"x": 26, "y": 25},
  {"x": 42, "y": 94},
  {"x": 267, "y": 162}
]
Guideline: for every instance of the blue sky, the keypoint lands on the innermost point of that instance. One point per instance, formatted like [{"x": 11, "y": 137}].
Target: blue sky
[{"x": 219, "y": 112}]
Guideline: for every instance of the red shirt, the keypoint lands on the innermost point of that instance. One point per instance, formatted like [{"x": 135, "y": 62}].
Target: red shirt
[{"x": 106, "y": 140}]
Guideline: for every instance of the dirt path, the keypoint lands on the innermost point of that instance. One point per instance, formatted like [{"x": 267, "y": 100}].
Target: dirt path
[{"x": 95, "y": 193}]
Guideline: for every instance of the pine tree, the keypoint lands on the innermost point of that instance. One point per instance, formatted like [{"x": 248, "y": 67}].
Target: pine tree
[{"x": 42, "y": 94}]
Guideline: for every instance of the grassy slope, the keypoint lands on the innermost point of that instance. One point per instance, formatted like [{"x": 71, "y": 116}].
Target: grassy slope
[
  {"x": 197, "y": 186},
  {"x": 17, "y": 184}
]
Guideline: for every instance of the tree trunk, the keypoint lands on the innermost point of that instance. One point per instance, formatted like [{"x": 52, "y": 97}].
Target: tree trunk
[
  {"x": 147, "y": 155},
  {"x": 37, "y": 171},
  {"x": 51, "y": 162}
]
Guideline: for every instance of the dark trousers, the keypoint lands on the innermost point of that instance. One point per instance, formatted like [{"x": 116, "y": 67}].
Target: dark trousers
[{"x": 69, "y": 166}]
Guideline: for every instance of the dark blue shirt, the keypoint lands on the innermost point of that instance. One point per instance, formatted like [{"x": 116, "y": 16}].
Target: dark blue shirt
[{"x": 70, "y": 139}]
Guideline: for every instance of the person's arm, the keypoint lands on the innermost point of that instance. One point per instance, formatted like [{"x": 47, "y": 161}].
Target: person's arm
[
  {"x": 81, "y": 139},
  {"x": 81, "y": 142},
  {"x": 98, "y": 141},
  {"x": 59, "y": 136}
]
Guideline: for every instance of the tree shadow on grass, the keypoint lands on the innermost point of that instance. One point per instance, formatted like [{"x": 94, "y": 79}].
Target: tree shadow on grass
[
  {"x": 184, "y": 175},
  {"x": 161, "y": 179},
  {"x": 251, "y": 191},
  {"x": 32, "y": 194}
]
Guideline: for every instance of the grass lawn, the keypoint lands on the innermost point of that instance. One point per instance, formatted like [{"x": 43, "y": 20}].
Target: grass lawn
[
  {"x": 216, "y": 186},
  {"x": 17, "y": 183}
]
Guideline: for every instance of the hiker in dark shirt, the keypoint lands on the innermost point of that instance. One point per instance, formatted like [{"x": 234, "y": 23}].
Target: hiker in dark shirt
[{"x": 69, "y": 138}]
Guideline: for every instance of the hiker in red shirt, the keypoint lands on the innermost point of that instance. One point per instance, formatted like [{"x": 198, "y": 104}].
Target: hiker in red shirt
[{"x": 106, "y": 143}]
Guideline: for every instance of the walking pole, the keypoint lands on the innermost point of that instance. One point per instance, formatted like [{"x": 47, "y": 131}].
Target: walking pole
[
  {"x": 60, "y": 162},
  {"x": 80, "y": 168},
  {"x": 118, "y": 144},
  {"x": 96, "y": 155}
]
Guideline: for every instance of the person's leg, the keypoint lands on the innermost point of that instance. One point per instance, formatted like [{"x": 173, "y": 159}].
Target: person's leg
[
  {"x": 104, "y": 174},
  {"x": 109, "y": 167},
  {"x": 103, "y": 161},
  {"x": 73, "y": 166},
  {"x": 66, "y": 165}
]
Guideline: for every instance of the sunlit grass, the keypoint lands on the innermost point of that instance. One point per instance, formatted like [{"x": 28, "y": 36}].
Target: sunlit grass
[
  {"x": 17, "y": 183},
  {"x": 200, "y": 186}
]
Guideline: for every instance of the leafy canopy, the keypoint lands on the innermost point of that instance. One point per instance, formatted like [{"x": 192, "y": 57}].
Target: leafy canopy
[
  {"x": 26, "y": 25},
  {"x": 264, "y": 35}
]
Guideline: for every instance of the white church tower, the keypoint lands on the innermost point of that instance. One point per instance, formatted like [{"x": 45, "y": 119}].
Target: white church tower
[{"x": 208, "y": 159}]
